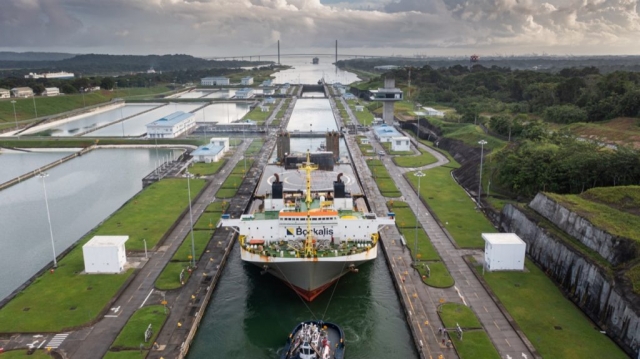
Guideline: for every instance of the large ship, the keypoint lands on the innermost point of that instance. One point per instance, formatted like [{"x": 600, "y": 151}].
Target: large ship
[
  {"x": 315, "y": 60},
  {"x": 308, "y": 237}
]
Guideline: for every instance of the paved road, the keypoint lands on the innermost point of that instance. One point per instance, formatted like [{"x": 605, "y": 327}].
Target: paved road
[{"x": 421, "y": 300}]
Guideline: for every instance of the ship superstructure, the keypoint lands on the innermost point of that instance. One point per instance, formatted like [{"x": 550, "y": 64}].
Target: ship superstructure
[{"x": 309, "y": 238}]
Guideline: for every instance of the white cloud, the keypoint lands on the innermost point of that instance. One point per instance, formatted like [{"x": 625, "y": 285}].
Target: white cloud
[{"x": 230, "y": 27}]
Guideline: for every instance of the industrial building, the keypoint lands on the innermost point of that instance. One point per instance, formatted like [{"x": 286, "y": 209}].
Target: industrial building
[
  {"x": 384, "y": 133},
  {"x": 267, "y": 83},
  {"x": 51, "y": 91},
  {"x": 50, "y": 75},
  {"x": 433, "y": 112},
  {"x": 246, "y": 81},
  {"x": 105, "y": 254},
  {"x": 22, "y": 92},
  {"x": 388, "y": 96},
  {"x": 171, "y": 126},
  {"x": 4, "y": 93},
  {"x": 208, "y": 153},
  {"x": 220, "y": 141},
  {"x": 214, "y": 81},
  {"x": 503, "y": 251},
  {"x": 400, "y": 144},
  {"x": 269, "y": 100},
  {"x": 244, "y": 93}
]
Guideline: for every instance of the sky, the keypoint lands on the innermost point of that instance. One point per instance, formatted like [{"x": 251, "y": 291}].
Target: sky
[{"x": 211, "y": 28}]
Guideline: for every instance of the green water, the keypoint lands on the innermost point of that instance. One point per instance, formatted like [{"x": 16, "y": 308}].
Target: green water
[{"x": 250, "y": 315}]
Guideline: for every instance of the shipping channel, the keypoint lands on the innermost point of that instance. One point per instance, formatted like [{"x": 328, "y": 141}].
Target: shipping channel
[{"x": 250, "y": 315}]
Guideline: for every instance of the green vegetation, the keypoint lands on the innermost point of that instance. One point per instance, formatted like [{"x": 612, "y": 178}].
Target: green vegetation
[
  {"x": 556, "y": 327},
  {"x": 208, "y": 220},
  {"x": 425, "y": 158},
  {"x": 232, "y": 183},
  {"x": 343, "y": 112},
  {"x": 437, "y": 274},
  {"x": 22, "y": 354},
  {"x": 68, "y": 298},
  {"x": 126, "y": 354},
  {"x": 365, "y": 117},
  {"x": 616, "y": 222},
  {"x": 142, "y": 217},
  {"x": 384, "y": 181},
  {"x": 254, "y": 148},
  {"x": 169, "y": 278},
  {"x": 258, "y": 115},
  {"x": 283, "y": 109},
  {"x": 132, "y": 335},
  {"x": 200, "y": 240},
  {"x": 624, "y": 198},
  {"x": 366, "y": 149},
  {"x": 475, "y": 342},
  {"x": 206, "y": 169},
  {"x": 454, "y": 209}
]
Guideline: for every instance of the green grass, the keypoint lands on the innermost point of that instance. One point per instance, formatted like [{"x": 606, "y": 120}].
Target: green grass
[
  {"x": 341, "y": 109},
  {"x": 426, "y": 251},
  {"x": 283, "y": 109},
  {"x": 538, "y": 306},
  {"x": 170, "y": 277},
  {"x": 207, "y": 219},
  {"x": 206, "y": 169},
  {"x": 385, "y": 183},
  {"x": 226, "y": 193},
  {"x": 132, "y": 335},
  {"x": 217, "y": 207},
  {"x": 254, "y": 148},
  {"x": 126, "y": 354},
  {"x": 22, "y": 354},
  {"x": 142, "y": 217},
  {"x": 602, "y": 215},
  {"x": 621, "y": 197},
  {"x": 258, "y": 115},
  {"x": 232, "y": 183},
  {"x": 364, "y": 117},
  {"x": 425, "y": 158},
  {"x": 452, "y": 313},
  {"x": 439, "y": 276},
  {"x": 453, "y": 207},
  {"x": 200, "y": 241},
  {"x": 47, "y": 106}
]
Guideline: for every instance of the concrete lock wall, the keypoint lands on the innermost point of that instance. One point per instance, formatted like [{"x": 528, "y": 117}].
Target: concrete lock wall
[
  {"x": 610, "y": 304},
  {"x": 615, "y": 250}
]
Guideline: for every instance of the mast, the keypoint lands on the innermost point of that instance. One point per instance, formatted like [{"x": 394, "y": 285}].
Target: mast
[{"x": 308, "y": 167}]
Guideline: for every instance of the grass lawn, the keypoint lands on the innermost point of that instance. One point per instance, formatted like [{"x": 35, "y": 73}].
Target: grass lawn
[
  {"x": 341, "y": 109},
  {"x": 226, "y": 193},
  {"x": 22, "y": 353},
  {"x": 538, "y": 306},
  {"x": 254, "y": 147},
  {"x": 439, "y": 276},
  {"x": 170, "y": 276},
  {"x": 455, "y": 210},
  {"x": 142, "y": 217},
  {"x": 258, "y": 115},
  {"x": 426, "y": 251},
  {"x": 132, "y": 335},
  {"x": 364, "y": 117},
  {"x": 385, "y": 183},
  {"x": 126, "y": 354},
  {"x": 217, "y": 207},
  {"x": 200, "y": 241},
  {"x": 206, "y": 169},
  {"x": 474, "y": 343},
  {"x": 207, "y": 221},
  {"x": 283, "y": 109},
  {"x": 425, "y": 158}
]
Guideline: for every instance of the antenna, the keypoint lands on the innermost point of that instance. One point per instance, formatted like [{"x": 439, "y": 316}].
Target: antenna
[{"x": 278, "y": 52}]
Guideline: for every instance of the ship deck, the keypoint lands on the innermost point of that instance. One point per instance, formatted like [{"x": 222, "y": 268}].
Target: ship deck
[{"x": 320, "y": 180}]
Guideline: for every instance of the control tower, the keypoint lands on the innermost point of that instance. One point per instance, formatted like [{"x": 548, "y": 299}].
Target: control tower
[{"x": 388, "y": 95}]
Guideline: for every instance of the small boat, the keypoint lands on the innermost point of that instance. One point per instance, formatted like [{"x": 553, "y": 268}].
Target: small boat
[{"x": 315, "y": 340}]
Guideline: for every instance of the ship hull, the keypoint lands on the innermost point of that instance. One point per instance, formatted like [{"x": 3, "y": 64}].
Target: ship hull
[{"x": 309, "y": 277}]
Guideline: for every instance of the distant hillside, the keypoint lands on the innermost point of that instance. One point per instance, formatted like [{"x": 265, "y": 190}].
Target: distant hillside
[
  {"x": 95, "y": 64},
  {"x": 34, "y": 56}
]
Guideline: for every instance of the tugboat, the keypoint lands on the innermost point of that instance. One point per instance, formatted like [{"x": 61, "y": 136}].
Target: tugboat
[
  {"x": 315, "y": 340},
  {"x": 315, "y": 60}
]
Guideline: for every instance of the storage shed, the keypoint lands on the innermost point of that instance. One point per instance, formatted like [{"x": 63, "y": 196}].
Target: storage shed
[
  {"x": 503, "y": 251},
  {"x": 105, "y": 254}
]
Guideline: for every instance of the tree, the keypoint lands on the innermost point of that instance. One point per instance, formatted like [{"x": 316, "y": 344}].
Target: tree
[
  {"x": 565, "y": 114},
  {"x": 68, "y": 88},
  {"x": 107, "y": 83}
]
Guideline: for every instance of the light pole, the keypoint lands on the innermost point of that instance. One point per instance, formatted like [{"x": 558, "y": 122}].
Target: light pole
[
  {"x": 34, "y": 105},
  {"x": 482, "y": 143},
  {"x": 122, "y": 120},
  {"x": 84, "y": 104},
  {"x": 193, "y": 246},
  {"x": 418, "y": 174},
  {"x": 15, "y": 118},
  {"x": 46, "y": 201},
  {"x": 145, "y": 248}
]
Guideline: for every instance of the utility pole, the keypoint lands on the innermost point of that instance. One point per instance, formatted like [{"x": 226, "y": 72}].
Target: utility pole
[
  {"x": 481, "y": 143},
  {"x": 336, "y": 52},
  {"x": 278, "y": 52}
]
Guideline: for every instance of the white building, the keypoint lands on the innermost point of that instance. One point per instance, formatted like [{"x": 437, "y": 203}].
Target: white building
[
  {"x": 214, "y": 81},
  {"x": 105, "y": 254},
  {"x": 269, "y": 100},
  {"x": 172, "y": 125},
  {"x": 4, "y": 93},
  {"x": 22, "y": 92},
  {"x": 51, "y": 91},
  {"x": 364, "y": 141},
  {"x": 401, "y": 143},
  {"x": 220, "y": 141},
  {"x": 359, "y": 108},
  {"x": 503, "y": 251},
  {"x": 244, "y": 93},
  {"x": 246, "y": 81},
  {"x": 207, "y": 154},
  {"x": 50, "y": 75},
  {"x": 264, "y": 108},
  {"x": 433, "y": 112},
  {"x": 384, "y": 133},
  {"x": 266, "y": 83},
  {"x": 283, "y": 91},
  {"x": 267, "y": 91}
]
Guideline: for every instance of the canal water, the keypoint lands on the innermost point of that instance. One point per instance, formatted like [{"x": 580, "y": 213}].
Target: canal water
[
  {"x": 222, "y": 112},
  {"x": 304, "y": 72},
  {"x": 81, "y": 193},
  {"x": 17, "y": 163},
  {"x": 89, "y": 121},
  {"x": 251, "y": 315}
]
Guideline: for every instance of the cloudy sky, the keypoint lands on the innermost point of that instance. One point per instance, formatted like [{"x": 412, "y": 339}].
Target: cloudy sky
[{"x": 236, "y": 27}]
